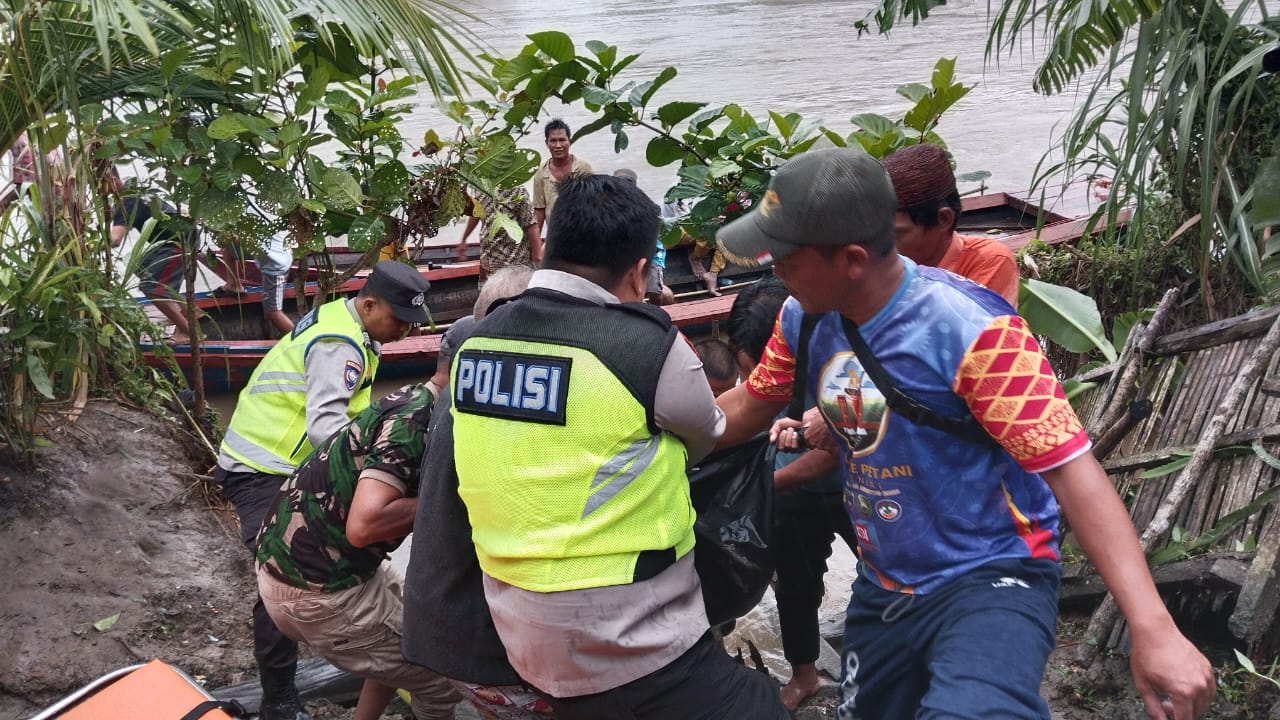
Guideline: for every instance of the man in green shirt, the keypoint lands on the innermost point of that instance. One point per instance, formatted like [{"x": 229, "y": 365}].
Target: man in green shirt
[{"x": 321, "y": 552}]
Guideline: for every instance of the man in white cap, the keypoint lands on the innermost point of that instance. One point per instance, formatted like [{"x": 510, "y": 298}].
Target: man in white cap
[{"x": 958, "y": 446}]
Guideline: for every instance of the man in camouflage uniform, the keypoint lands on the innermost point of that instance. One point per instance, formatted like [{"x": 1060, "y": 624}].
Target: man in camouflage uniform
[{"x": 321, "y": 573}]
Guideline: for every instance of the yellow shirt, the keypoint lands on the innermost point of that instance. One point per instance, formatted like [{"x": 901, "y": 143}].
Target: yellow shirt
[{"x": 545, "y": 187}]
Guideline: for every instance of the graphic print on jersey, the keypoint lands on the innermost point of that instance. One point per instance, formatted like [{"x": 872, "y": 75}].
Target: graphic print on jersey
[{"x": 852, "y": 403}]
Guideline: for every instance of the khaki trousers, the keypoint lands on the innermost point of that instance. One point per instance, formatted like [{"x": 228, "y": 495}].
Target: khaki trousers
[{"x": 359, "y": 630}]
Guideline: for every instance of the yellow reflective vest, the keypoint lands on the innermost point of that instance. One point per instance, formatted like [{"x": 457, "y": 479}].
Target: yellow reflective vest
[
  {"x": 268, "y": 431},
  {"x": 568, "y": 482}
]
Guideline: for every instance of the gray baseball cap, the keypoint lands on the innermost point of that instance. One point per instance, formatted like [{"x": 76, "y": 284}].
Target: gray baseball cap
[{"x": 835, "y": 196}]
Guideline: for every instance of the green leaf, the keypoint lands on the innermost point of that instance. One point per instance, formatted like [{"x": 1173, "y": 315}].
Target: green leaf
[
  {"x": 390, "y": 182},
  {"x": 598, "y": 96},
  {"x": 502, "y": 221},
  {"x": 674, "y": 112},
  {"x": 554, "y": 43},
  {"x": 915, "y": 92},
  {"x": 226, "y": 127},
  {"x": 1074, "y": 388},
  {"x": 172, "y": 60},
  {"x": 501, "y": 164},
  {"x": 1266, "y": 194},
  {"x": 620, "y": 141},
  {"x": 835, "y": 137},
  {"x": 220, "y": 209},
  {"x": 784, "y": 128},
  {"x": 1265, "y": 456},
  {"x": 873, "y": 123},
  {"x": 279, "y": 192},
  {"x": 1067, "y": 317},
  {"x": 607, "y": 54},
  {"x": 189, "y": 174},
  {"x": 721, "y": 167},
  {"x": 338, "y": 188},
  {"x": 665, "y": 76},
  {"x": 106, "y": 623},
  {"x": 39, "y": 376},
  {"x": 1245, "y": 662},
  {"x": 515, "y": 70},
  {"x": 1180, "y": 461},
  {"x": 662, "y": 151},
  {"x": 366, "y": 231}
]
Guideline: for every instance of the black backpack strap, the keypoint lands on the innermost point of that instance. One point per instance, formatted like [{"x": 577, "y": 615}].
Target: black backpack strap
[
  {"x": 795, "y": 410},
  {"x": 965, "y": 428},
  {"x": 231, "y": 707}
]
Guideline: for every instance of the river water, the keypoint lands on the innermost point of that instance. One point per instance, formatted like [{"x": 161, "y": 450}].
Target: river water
[{"x": 790, "y": 56}]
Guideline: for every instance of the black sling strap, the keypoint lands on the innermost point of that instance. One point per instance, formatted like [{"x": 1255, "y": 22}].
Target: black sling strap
[
  {"x": 795, "y": 410},
  {"x": 231, "y": 707},
  {"x": 965, "y": 428}
]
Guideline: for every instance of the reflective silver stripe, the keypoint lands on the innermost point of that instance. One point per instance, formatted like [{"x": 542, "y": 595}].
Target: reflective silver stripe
[
  {"x": 280, "y": 375},
  {"x": 255, "y": 454},
  {"x": 277, "y": 387},
  {"x": 620, "y": 471}
]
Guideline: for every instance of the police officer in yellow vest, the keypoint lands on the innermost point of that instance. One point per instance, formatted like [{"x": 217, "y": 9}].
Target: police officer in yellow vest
[
  {"x": 307, "y": 387},
  {"x": 576, "y": 409}
]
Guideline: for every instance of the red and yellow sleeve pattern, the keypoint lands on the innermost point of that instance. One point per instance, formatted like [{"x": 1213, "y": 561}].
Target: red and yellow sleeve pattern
[
  {"x": 776, "y": 372},
  {"x": 1013, "y": 392}
]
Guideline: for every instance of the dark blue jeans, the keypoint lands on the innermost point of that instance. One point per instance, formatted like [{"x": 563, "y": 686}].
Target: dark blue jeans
[{"x": 975, "y": 648}]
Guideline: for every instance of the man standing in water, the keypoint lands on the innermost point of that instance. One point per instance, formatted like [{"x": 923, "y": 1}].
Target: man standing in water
[
  {"x": 954, "y": 609},
  {"x": 307, "y": 388},
  {"x": 160, "y": 270},
  {"x": 558, "y": 167}
]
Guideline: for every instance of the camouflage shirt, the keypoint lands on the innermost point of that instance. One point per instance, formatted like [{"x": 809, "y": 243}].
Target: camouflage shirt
[{"x": 303, "y": 542}]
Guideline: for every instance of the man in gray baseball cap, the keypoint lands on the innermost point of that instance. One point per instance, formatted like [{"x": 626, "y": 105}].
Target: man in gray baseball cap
[
  {"x": 958, "y": 532},
  {"x": 827, "y": 197}
]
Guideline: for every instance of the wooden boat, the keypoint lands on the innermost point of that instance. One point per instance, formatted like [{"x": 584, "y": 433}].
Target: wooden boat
[
  {"x": 452, "y": 294},
  {"x": 227, "y": 364},
  {"x": 235, "y": 331}
]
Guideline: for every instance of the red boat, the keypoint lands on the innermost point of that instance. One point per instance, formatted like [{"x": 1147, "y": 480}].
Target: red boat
[
  {"x": 234, "y": 328},
  {"x": 227, "y": 364}
]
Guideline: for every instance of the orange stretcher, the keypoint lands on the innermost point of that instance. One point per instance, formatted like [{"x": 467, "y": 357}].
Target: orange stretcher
[{"x": 154, "y": 691}]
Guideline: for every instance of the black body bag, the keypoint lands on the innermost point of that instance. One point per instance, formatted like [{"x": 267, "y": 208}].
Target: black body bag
[{"x": 732, "y": 492}]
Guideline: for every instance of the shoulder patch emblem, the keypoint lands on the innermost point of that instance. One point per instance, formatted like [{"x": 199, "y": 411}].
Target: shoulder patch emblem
[
  {"x": 516, "y": 386},
  {"x": 306, "y": 321},
  {"x": 351, "y": 374}
]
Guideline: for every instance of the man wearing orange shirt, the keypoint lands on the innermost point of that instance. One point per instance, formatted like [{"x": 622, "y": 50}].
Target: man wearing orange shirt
[{"x": 928, "y": 211}]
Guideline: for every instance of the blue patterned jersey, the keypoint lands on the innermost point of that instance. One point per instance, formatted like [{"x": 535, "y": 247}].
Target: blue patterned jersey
[{"x": 927, "y": 506}]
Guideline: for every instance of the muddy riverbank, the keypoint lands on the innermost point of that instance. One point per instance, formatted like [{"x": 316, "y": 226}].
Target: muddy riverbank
[{"x": 114, "y": 529}]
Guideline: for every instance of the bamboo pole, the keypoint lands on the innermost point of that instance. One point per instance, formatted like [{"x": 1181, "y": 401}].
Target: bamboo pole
[
  {"x": 1104, "y": 619},
  {"x": 1126, "y": 387}
]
